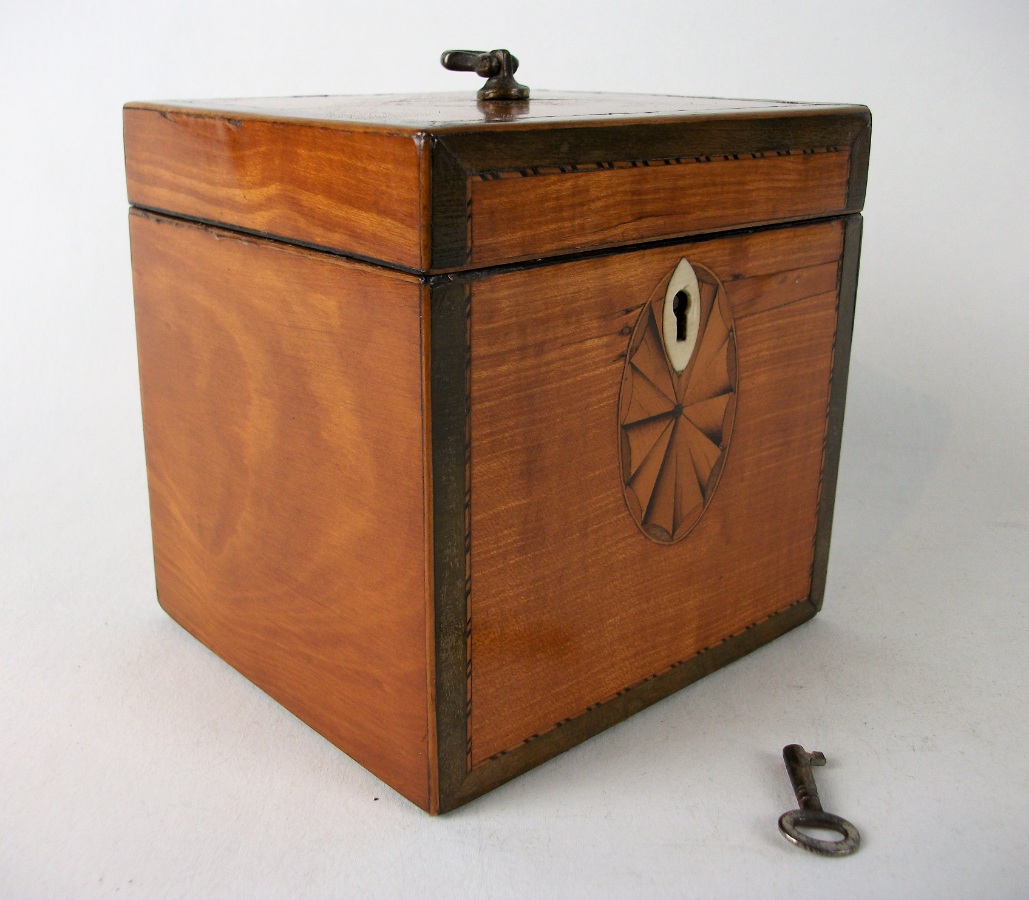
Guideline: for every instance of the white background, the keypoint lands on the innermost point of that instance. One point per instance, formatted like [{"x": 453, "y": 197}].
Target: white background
[{"x": 133, "y": 762}]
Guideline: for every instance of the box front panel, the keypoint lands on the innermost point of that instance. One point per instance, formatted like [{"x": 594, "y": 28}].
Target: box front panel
[
  {"x": 518, "y": 214},
  {"x": 626, "y": 517},
  {"x": 520, "y": 194}
]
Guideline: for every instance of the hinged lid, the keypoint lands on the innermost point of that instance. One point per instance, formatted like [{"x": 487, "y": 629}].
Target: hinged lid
[{"x": 441, "y": 182}]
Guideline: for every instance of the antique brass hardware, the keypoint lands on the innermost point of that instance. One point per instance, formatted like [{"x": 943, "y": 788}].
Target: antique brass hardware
[{"x": 498, "y": 66}]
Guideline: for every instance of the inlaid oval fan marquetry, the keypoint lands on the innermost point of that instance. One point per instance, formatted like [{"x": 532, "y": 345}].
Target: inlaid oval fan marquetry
[{"x": 677, "y": 403}]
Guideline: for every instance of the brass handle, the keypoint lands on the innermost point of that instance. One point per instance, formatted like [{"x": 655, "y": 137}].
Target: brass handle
[{"x": 498, "y": 66}]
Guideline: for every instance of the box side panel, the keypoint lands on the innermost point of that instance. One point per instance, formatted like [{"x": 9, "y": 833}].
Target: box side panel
[
  {"x": 576, "y": 617},
  {"x": 358, "y": 193},
  {"x": 283, "y": 416}
]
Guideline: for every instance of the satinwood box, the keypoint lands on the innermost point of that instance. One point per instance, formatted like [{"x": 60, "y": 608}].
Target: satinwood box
[{"x": 474, "y": 427}]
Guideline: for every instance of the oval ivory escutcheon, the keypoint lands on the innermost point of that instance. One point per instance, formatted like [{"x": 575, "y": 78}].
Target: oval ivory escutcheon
[{"x": 677, "y": 402}]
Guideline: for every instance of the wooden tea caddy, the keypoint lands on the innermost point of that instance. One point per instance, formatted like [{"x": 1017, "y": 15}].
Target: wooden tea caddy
[{"x": 475, "y": 426}]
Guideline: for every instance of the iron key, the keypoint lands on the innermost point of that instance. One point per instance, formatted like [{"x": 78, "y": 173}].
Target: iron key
[{"x": 811, "y": 815}]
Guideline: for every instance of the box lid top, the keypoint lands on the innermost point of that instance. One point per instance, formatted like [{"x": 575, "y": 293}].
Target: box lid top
[{"x": 439, "y": 113}]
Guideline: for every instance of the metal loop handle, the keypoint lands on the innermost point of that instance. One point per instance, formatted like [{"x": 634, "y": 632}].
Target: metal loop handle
[{"x": 790, "y": 824}]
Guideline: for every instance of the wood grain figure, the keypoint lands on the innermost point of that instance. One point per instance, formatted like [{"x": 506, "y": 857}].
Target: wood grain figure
[
  {"x": 675, "y": 426},
  {"x": 555, "y": 627},
  {"x": 283, "y": 417}
]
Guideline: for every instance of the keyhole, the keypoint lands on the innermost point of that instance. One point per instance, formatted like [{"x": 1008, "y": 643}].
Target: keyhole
[
  {"x": 680, "y": 316},
  {"x": 680, "y": 307}
]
